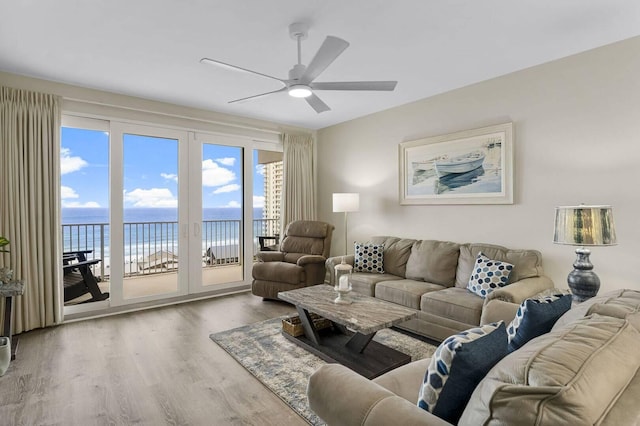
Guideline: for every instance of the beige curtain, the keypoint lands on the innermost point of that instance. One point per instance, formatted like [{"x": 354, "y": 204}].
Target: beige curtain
[
  {"x": 299, "y": 199},
  {"x": 29, "y": 202}
]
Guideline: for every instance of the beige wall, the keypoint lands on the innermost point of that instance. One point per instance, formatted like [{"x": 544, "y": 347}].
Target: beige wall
[{"x": 577, "y": 140}]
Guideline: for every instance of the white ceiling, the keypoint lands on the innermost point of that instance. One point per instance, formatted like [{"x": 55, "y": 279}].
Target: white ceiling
[{"x": 151, "y": 48}]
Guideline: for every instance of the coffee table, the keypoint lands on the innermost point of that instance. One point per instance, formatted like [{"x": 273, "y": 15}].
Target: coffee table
[{"x": 349, "y": 340}]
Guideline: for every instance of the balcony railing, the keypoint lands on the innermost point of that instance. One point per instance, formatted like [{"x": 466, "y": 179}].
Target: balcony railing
[{"x": 152, "y": 247}]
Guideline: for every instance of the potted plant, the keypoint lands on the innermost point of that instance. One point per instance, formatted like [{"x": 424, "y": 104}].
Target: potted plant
[{"x": 3, "y": 243}]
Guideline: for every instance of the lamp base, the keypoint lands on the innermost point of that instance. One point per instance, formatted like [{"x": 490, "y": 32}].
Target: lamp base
[{"x": 583, "y": 282}]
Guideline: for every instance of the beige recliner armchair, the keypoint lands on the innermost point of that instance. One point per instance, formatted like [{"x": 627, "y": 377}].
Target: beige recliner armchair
[{"x": 300, "y": 262}]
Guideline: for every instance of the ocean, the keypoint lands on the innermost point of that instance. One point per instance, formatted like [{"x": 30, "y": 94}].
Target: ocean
[
  {"x": 79, "y": 215},
  {"x": 153, "y": 230}
]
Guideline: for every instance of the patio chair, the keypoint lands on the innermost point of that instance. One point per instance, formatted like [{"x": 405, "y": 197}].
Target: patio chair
[
  {"x": 78, "y": 277},
  {"x": 304, "y": 248},
  {"x": 262, "y": 240}
]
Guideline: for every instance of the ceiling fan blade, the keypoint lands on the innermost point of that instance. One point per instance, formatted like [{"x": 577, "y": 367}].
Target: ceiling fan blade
[
  {"x": 317, "y": 104},
  {"x": 213, "y": 62},
  {"x": 355, "y": 85},
  {"x": 257, "y": 96},
  {"x": 331, "y": 48}
]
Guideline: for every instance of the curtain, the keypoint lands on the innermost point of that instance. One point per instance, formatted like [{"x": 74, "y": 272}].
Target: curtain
[
  {"x": 29, "y": 203},
  {"x": 299, "y": 199}
]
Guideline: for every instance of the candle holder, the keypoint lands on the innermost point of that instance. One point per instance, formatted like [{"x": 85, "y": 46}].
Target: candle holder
[
  {"x": 342, "y": 283},
  {"x": 342, "y": 298}
]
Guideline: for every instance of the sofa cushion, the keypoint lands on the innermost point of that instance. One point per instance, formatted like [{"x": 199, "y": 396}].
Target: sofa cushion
[
  {"x": 526, "y": 263},
  {"x": 405, "y": 292},
  {"x": 535, "y": 317},
  {"x": 571, "y": 376},
  {"x": 369, "y": 258},
  {"x": 365, "y": 283},
  {"x": 457, "y": 366},
  {"x": 615, "y": 303},
  {"x": 488, "y": 275},
  {"x": 396, "y": 253},
  {"x": 434, "y": 262},
  {"x": 289, "y": 273},
  {"x": 454, "y": 303},
  {"x": 294, "y": 244}
]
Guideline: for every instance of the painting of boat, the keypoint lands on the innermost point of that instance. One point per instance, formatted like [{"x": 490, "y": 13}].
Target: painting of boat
[
  {"x": 452, "y": 181},
  {"x": 459, "y": 164}
]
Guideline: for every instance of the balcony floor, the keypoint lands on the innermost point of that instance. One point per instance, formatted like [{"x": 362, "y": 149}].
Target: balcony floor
[{"x": 166, "y": 283}]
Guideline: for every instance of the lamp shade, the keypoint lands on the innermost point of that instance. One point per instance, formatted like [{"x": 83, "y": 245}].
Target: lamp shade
[
  {"x": 346, "y": 202},
  {"x": 585, "y": 226}
]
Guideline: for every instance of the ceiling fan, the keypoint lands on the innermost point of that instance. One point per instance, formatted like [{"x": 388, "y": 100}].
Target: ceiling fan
[{"x": 300, "y": 83}]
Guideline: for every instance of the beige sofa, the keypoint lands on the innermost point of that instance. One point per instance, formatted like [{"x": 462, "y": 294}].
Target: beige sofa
[
  {"x": 586, "y": 371},
  {"x": 432, "y": 276}
]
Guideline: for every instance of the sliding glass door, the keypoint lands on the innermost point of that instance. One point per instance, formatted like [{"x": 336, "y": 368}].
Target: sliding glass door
[
  {"x": 84, "y": 191},
  {"x": 169, "y": 212},
  {"x": 150, "y": 210},
  {"x": 217, "y": 212},
  {"x": 151, "y": 245}
]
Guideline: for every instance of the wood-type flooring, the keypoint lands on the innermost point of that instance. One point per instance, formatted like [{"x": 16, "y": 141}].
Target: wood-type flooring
[{"x": 153, "y": 367}]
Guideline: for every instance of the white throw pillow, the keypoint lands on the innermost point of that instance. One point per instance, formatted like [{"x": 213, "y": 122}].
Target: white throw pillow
[{"x": 488, "y": 274}]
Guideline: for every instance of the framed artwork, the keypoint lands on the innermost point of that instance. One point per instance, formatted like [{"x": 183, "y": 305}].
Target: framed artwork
[{"x": 468, "y": 167}]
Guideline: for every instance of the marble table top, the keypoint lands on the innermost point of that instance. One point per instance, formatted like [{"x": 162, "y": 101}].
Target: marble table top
[
  {"x": 365, "y": 315},
  {"x": 12, "y": 288}
]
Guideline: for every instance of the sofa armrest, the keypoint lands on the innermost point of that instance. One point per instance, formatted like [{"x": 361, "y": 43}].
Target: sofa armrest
[
  {"x": 270, "y": 256},
  {"x": 336, "y": 260},
  {"x": 342, "y": 397},
  {"x": 519, "y": 291},
  {"x": 496, "y": 310},
  {"x": 309, "y": 259}
]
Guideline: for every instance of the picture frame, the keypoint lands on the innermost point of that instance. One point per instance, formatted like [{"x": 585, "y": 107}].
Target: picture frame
[{"x": 468, "y": 167}]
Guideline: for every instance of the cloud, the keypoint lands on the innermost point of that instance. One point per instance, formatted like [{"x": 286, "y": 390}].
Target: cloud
[
  {"x": 154, "y": 197},
  {"x": 233, "y": 204},
  {"x": 227, "y": 188},
  {"x": 258, "y": 201},
  {"x": 88, "y": 204},
  {"x": 214, "y": 175},
  {"x": 170, "y": 176},
  {"x": 69, "y": 164},
  {"x": 260, "y": 169},
  {"x": 68, "y": 192},
  {"x": 227, "y": 161}
]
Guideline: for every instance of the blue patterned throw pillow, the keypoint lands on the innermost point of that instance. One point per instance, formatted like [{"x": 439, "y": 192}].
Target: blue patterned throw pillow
[
  {"x": 488, "y": 275},
  {"x": 535, "y": 317},
  {"x": 369, "y": 258},
  {"x": 458, "y": 365}
]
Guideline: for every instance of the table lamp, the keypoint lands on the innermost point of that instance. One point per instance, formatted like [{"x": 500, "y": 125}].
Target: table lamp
[
  {"x": 584, "y": 226},
  {"x": 346, "y": 202}
]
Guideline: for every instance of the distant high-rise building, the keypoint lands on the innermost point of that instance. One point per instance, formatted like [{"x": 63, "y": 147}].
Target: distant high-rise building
[{"x": 272, "y": 195}]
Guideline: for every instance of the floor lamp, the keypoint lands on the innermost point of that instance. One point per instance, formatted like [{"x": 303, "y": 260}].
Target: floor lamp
[{"x": 346, "y": 202}]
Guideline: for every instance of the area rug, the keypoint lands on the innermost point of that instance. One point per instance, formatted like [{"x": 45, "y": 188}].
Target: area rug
[{"x": 285, "y": 367}]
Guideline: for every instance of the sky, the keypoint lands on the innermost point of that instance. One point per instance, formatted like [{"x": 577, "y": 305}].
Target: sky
[{"x": 150, "y": 172}]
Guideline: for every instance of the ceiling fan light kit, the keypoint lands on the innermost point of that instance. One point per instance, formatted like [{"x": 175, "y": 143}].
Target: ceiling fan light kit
[
  {"x": 300, "y": 91},
  {"x": 300, "y": 83}
]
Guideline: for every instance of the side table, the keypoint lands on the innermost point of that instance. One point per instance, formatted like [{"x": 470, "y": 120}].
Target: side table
[{"x": 8, "y": 290}]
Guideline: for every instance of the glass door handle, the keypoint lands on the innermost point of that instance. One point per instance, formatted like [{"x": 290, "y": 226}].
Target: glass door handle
[{"x": 196, "y": 229}]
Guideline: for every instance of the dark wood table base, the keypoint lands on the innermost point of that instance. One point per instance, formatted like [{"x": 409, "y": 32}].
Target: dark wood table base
[{"x": 353, "y": 350}]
